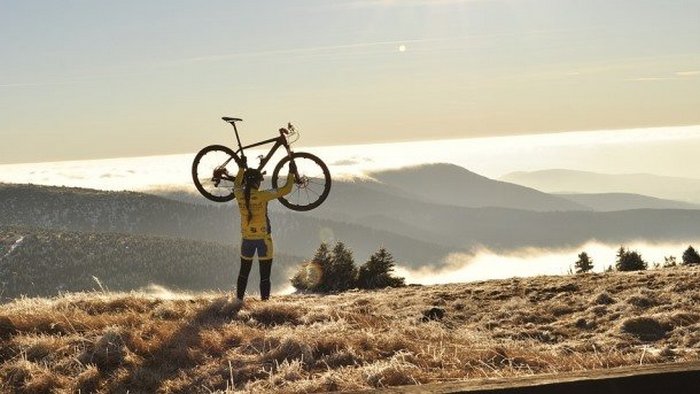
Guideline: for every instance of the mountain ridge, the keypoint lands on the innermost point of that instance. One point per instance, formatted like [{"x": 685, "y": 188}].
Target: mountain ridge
[
  {"x": 450, "y": 184},
  {"x": 575, "y": 181}
]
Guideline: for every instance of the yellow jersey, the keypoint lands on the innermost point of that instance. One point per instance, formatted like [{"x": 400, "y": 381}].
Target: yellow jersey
[{"x": 258, "y": 225}]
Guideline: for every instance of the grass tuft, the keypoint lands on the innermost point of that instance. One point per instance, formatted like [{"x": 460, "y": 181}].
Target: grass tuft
[{"x": 644, "y": 328}]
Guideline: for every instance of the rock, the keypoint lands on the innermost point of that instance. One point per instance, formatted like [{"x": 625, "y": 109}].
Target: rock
[{"x": 433, "y": 313}]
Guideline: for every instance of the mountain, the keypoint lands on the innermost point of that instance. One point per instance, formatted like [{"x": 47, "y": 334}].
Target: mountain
[
  {"x": 40, "y": 262},
  {"x": 570, "y": 181},
  {"x": 365, "y": 215},
  {"x": 299, "y": 234},
  {"x": 449, "y": 184},
  {"x": 416, "y": 232},
  {"x": 623, "y": 201}
]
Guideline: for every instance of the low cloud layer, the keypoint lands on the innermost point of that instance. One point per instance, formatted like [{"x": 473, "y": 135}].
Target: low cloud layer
[{"x": 485, "y": 264}]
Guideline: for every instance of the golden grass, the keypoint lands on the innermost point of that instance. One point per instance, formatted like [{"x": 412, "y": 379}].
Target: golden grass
[{"x": 99, "y": 342}]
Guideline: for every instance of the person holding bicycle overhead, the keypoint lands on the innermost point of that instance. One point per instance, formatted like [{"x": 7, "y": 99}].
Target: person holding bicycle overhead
[{"x": 256, "y": 236}]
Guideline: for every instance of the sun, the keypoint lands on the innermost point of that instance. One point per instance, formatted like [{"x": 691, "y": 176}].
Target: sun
[{"x": 402, "y": 48}]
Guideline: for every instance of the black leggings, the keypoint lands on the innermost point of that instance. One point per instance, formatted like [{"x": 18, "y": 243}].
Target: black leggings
[{"x": 265, "y": 269}]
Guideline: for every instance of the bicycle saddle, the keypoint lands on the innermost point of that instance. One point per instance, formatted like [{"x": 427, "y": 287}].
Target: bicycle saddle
[{"x": 231, "y": 120}]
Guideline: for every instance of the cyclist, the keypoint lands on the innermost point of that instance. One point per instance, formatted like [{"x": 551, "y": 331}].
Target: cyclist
[{"x": 256, "y": 234}]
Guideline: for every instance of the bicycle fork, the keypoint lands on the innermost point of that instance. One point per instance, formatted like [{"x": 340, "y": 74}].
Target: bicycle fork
[{"x": 291, "y": 160}]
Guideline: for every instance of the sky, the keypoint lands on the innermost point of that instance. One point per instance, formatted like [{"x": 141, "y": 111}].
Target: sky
[
  {"x": 86, "y": 79},
  {"x": 667, "y": 151}
]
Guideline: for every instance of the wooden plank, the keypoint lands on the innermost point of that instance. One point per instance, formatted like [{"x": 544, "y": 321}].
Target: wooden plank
[{"x": 641, "y": 379}]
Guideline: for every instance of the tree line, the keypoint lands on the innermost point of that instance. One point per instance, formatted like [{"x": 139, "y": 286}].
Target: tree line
[
  {"x": 334, "y": 270},
  {"x": 631, "y": 260}
]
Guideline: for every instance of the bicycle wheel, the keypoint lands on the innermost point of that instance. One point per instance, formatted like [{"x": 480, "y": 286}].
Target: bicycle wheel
[
  {"x": 213, "y": 171},
  {"x": 313, "y": 185}
]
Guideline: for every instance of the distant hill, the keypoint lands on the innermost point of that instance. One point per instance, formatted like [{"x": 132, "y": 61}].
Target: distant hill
[
  {"x": 38, "y": 262},
  {"x": 570, "y": 181},
  {"x": 623, "y": 201},
  {"x": 298, "y": 234},
  {"x": 449, "y": 184},
  {"x": 364, "y": 215}
]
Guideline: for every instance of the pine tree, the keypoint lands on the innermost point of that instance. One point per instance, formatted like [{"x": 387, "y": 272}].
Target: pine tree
[
  {"x": 629, "y": 260},
  {"x": 322, "y": 265},
  {"x": 691, "y": 256},
  {"x": 341, "y": 274},
  {"x": 584, "y": 263},
  {"x": 310, "y": 274},
  {"x": 376, "y": 272}
]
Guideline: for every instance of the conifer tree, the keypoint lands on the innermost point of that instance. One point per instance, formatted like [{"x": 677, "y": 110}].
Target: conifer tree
[
  {"x": 629, "y": 260},
  {"x": 322, "y": 261},
  {"x": 310, "y": 274},
  {"x": 341, "y": 273},
  {"x": 691, "y": 256},
  {"x": 584, "y": 263},
  {"x": 376, "y": 272}
]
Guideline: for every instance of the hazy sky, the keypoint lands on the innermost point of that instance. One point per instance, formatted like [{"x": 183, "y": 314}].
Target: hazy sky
[{"x": 89, "y": 79}]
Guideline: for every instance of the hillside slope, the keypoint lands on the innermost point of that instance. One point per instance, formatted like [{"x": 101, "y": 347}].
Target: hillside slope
[
  {"x": 449, "y": 184},
  {"x": 295, "y": 233},
  {"x": 104, "y": 343},
  {"x": 571, "y": 181},
  {"x": 603, "y": 202},
  {"x": 35, "y": 262},
  {"x": 416, "y": 232}
]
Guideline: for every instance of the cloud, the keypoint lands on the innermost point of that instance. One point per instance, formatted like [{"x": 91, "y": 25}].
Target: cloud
[
  {"x": 647, "y": 79},
  {"x": 309, "y": 50},
  {"x": 36, "y": 84},
  {"x": 688, "y": 73},
  {"x": 485, "y": 264},
  {"x": 351, "y": 161},
  {"x": 677, "y": 75},
  {"x": 406, "y": 3}
]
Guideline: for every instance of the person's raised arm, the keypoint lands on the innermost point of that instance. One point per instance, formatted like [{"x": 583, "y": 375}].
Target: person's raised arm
[
  {"x": 238, "y": 183},
  {"x": 284, "y": 190}
]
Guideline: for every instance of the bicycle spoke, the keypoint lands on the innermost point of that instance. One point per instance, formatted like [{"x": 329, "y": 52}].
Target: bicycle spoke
[{"x": 313, "y": 191}]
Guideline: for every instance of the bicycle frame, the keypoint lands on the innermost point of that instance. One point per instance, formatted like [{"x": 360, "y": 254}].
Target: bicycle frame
[{"x": 278, "y": 142}]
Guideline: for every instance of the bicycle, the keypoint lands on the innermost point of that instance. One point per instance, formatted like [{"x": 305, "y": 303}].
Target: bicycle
[{"x": 214, "y": 168}]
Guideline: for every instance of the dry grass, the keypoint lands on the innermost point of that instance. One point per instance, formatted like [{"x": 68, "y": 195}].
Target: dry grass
[{"x": 95, "y": 342}]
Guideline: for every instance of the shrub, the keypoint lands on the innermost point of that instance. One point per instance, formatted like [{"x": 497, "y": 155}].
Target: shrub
[
  {"x": 629, "y": 260},
  {"x": 670, "y": 261},
  {"x": 376, "y": 272}
]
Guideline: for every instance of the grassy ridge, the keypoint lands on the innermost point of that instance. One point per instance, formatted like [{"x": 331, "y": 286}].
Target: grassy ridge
[
  {"x": 38, "y": 262},
  {"x": 196, "y": 344}
]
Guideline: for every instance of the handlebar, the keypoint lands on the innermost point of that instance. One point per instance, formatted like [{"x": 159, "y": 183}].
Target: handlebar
[{"x": 289, "y": 130}]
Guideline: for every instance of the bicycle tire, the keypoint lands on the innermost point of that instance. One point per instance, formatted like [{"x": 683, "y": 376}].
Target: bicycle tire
[
  {"x": 197, "y": 178},
  {"x": 326, "y": 179}
]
